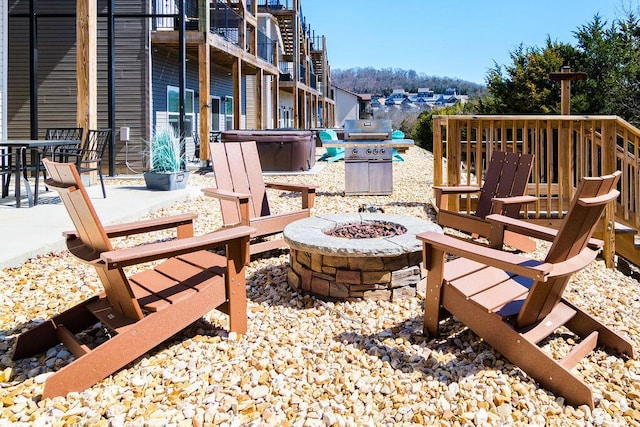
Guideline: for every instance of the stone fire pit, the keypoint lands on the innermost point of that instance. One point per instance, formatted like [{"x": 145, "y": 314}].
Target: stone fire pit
[{"x": 385, "y": 268}]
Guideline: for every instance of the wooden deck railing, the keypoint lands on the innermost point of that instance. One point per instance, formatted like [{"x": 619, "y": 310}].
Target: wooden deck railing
[{"x": 566, "y": 148}]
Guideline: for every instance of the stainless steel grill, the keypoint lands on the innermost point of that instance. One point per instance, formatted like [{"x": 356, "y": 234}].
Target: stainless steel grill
[
  {"x": 367, "y": 130},
  {"x": 368, "y": 156}
]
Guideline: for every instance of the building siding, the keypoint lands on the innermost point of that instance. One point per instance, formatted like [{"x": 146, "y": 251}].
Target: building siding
[
  {"x": 57, "y": 87},
  {"x": 3, "y": 70}
]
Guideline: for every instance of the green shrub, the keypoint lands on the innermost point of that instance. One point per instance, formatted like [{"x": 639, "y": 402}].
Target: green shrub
[{"x": 165, "y": 151}]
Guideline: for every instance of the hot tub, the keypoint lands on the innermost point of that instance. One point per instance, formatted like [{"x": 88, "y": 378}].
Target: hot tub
[{"x": 279, "y": 150}]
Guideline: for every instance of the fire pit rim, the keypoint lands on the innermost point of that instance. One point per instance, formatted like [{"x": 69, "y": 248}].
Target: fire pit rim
[{"x": 309, "y": 235}]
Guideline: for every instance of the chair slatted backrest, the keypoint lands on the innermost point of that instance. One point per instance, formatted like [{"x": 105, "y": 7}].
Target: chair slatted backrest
[
  {"x": 95, "y": 144},
  {"x": 578, "y": 226},
  {"x": 507, "y": 175},
  {"x": 236, "y": 166},
  {"x": 65, "y": 179},
  {"x": 64, "y": 133}
]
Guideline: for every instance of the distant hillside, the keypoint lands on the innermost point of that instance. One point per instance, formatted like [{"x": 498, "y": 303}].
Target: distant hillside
[{"x": 382, "y": 82}]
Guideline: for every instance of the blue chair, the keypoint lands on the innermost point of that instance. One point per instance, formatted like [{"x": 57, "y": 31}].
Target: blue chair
[
  {"x": 397, "y": 134},
  {"x": 333, "y": 154}
]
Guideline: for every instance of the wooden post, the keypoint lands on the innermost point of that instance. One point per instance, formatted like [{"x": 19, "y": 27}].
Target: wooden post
[
  {"x": 275, "y": 94},
  {"x": 236, "y": 71},
  {"x": 453, "y": 162},
  {"x": 565, "y": 76},
  {"x": 437, "y": 150},
  {"x": 259, "y": 104},
  {"x": 204, "y": 79},
  {"x": 87, "y": 68},
  {"x": 296, "y": 122},
  {"x": 608, "y": 167},
  {"x": 275, "y": 100},
  {"x": 87, "y": 63}
]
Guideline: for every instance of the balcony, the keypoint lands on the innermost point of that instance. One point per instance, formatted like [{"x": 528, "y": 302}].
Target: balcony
[
  {"x": 266, "y": 48},
  {"x": 270, "y": 5},
  {"x": 225, "y": 22}
]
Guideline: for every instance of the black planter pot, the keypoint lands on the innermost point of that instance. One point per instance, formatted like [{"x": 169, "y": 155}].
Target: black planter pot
[{"x": 166, "y": 181}]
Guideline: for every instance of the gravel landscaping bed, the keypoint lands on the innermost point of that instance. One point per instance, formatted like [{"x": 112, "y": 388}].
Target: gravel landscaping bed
[{"x": 305, "y": 361}]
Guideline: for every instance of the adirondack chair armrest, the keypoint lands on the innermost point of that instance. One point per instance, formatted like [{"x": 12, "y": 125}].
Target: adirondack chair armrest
[
  {"x": 291, "y": 187},
  {"x": 505, "y": 223},
  {"x": 498, "y": 203},
  {"x": 456, "y": 189},
  {"x": 573, "y": 264},
  {"x": 440, "y": 193},
  {"x": 161, "y": 250},
  {"x": 591, "y": 201},
  {"x": 144, "y": 226},
  {"x": 308, "y": 191},
  {"x": 226, "y": 195},
  {"x": 522, "y": 227},
  {"x": 513, "y": 263}
]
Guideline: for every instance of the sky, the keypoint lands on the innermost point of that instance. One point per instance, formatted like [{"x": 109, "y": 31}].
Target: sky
[{"x": 447, "y": 38}]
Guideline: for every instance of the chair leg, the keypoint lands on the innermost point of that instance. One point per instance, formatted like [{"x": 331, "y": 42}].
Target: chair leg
[
  {"x": 518, "y": 350},
  {"x": 43, "y": 336},
  {"x": 104, "y": 193},
  {"x": 36, "y": 187},
  {"x": 6, "y": 180},
  {"x": 584, "y": 324},
  {"x": 131, "y": 342}
]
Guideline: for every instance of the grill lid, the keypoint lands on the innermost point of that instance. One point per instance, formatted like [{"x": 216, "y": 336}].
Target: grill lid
[{"x": 360, "y": 130}]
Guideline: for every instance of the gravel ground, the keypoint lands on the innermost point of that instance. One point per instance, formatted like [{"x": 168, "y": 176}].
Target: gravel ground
[{"x": 308, "y": 362}]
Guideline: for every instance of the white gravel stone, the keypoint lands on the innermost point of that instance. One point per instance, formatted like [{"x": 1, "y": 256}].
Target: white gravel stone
[{"x": 304, "y": 361}]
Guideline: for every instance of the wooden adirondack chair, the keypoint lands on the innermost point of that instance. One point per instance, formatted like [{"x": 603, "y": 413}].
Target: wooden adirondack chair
[
  {"x": 243, "y": 197},
  {"x": 147, "y": 308},
  {"x": 513, "y": 302},
  {"x": 503, "y": 192}
]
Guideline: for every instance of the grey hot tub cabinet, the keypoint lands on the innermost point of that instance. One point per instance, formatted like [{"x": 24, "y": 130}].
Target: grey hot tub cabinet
[{"x": 279, "y": 150}]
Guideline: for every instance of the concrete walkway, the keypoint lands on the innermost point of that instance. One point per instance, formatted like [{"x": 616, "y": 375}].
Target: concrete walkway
[{"x": 28, "y": 232}]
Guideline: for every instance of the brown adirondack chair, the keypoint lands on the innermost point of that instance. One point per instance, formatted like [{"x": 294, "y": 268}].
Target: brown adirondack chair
[
  {"x": 503, "y": 192},
  {"x": 243, "y": 197},
  {"x": 514, "y": 302},
  {"x": 147, "y": 308}
]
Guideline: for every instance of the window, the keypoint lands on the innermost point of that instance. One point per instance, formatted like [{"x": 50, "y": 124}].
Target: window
[
  {"x": 173, "y": 109},
  {"x": 215, "y": 113},
  {"x": 228, "y": 112}
]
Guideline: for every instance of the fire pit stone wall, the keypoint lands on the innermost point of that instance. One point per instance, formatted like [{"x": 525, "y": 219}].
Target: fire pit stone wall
[{"x": 387, "y": 268}]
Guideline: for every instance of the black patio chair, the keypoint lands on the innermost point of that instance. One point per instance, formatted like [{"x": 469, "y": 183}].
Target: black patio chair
[
  {"x": 88, "y": 157},
  {"x": 196, "y": 146},
  {"x": 5, "y": 170},
  {"x": 57, "y": 134}
]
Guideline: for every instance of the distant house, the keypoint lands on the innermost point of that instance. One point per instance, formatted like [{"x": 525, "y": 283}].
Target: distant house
[
  {"x": 351, "y": 106},
  {"x": 425, "y": 98}
]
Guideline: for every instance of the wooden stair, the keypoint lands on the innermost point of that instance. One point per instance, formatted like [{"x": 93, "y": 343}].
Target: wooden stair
[
  {"x": 285, "y": 22},
  {"x": 318, "y": 63},
  {"x": 628, "y": 243}
]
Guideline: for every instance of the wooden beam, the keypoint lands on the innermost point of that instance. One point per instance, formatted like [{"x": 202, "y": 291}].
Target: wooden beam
[
  {"x": 565, "y": 76},
  {"x": 608, "y": 167},
  {"x": 236, "y": 74},
  {"x": 275, "y": 100},
  {"x": 204, "y": 79},
  {"x": 259, "y": 103},
  {"x": 86, "y": 64}
]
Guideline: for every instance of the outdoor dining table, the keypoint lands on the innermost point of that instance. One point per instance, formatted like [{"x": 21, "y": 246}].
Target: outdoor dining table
[{"x": 21, "y": 167}]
